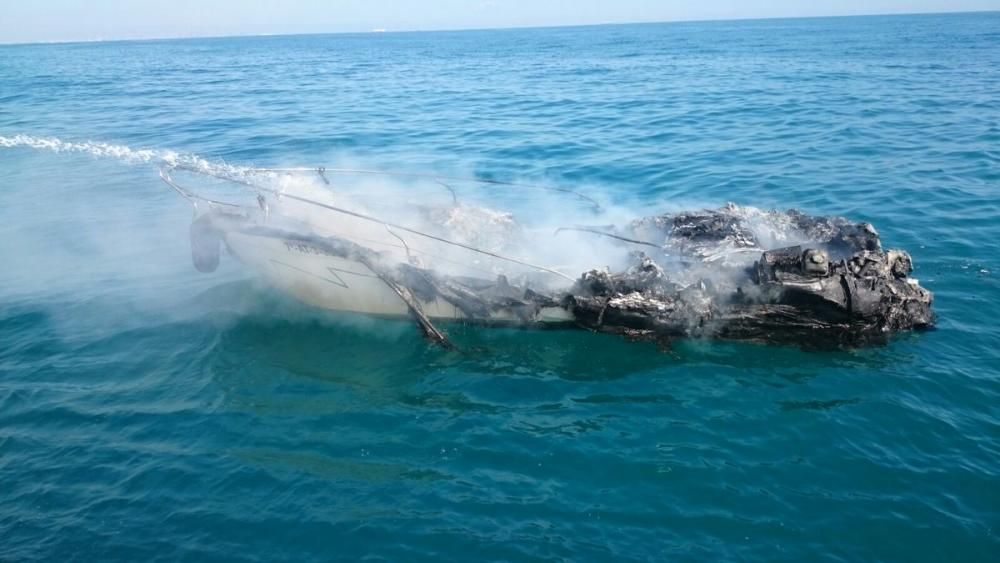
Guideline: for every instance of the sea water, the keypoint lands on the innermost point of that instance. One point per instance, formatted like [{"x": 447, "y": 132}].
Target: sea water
[{"x": 151, "y": 412}]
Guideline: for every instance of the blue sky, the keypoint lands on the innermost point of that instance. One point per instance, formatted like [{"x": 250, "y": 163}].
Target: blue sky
[{"x": 71, "y": 20}]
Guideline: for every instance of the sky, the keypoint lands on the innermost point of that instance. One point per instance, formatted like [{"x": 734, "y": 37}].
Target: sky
[{"x": 87, "y": 20}]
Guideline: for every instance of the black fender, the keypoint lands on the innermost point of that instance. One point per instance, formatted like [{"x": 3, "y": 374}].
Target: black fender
[{"x": 206, "y": 244}]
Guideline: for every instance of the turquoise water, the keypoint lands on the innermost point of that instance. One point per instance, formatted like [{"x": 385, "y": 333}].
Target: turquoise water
[{"x": 147, "y": 411}]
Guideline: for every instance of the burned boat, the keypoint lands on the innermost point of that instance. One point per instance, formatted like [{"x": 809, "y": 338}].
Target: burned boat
[{"x": 736, "y": 273}]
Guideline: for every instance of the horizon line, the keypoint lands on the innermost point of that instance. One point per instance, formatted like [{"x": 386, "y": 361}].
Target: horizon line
[{"x": 498, "y": 28}]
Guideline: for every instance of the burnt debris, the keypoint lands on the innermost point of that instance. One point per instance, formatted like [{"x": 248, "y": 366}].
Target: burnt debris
[
  {"x": 716, "y": 276},
  {"x": 836, "y": 286}
]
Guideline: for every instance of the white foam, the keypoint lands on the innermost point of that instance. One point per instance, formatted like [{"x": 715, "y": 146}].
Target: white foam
[{"x": 123, "y": 153}]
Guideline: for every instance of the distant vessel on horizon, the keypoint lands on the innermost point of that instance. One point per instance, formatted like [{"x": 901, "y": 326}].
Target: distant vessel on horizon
[{"x": 378, "y": 30}]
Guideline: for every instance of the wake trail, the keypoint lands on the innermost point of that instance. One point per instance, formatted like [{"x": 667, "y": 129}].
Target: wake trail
[{"x": 126, "y": 154}]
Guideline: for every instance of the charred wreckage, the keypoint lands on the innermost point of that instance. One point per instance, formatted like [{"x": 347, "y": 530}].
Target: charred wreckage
[{"x": 734, "y": 273}]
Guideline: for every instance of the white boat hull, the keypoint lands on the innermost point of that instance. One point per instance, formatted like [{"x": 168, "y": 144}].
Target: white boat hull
[{"x": 321, "y": 279}]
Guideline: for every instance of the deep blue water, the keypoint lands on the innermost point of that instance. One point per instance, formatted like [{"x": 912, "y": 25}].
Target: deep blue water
[{"x": 147, "y": 411}]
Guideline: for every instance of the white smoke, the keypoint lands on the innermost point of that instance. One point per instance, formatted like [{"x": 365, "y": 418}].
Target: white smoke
[
  {"x": 484, "y": 217},
  {"x": 467, "y": 213}
]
